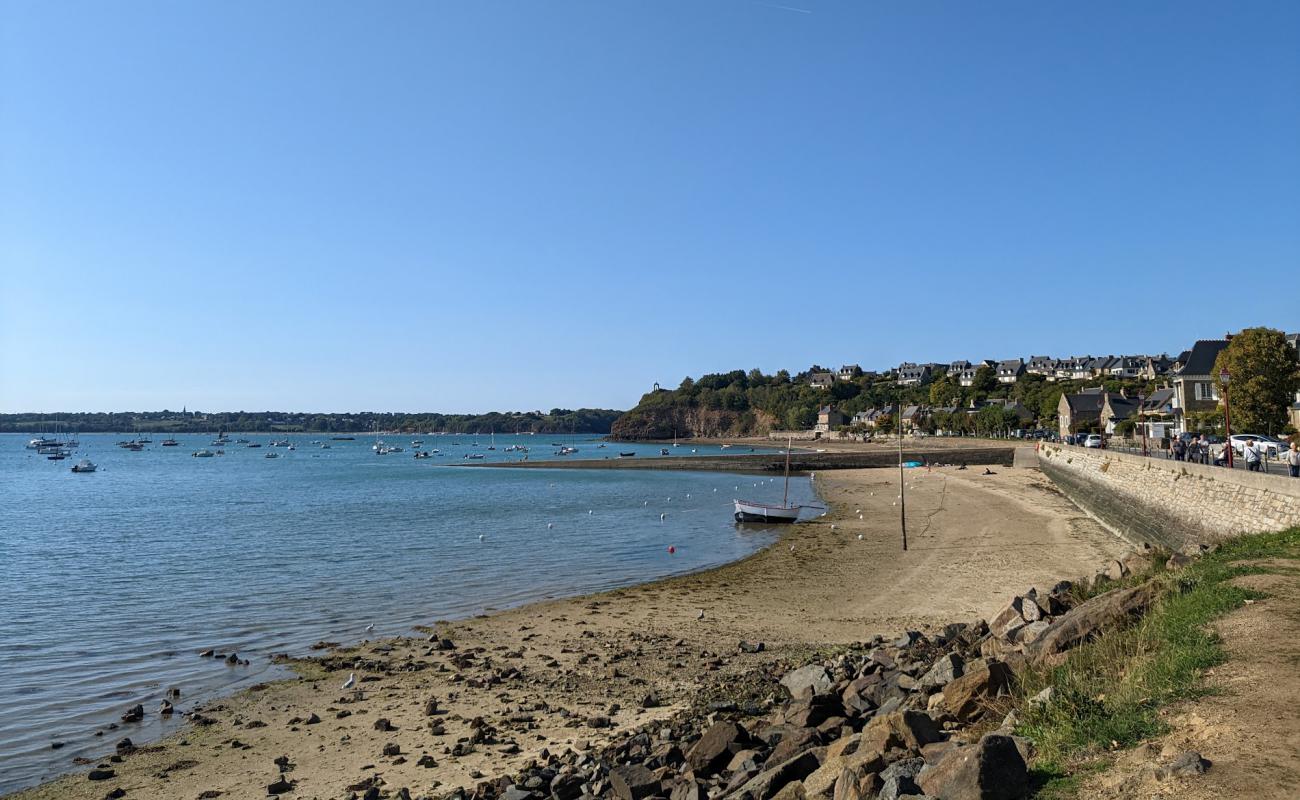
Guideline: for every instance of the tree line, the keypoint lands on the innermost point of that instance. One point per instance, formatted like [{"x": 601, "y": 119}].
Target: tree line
[{"x": 557, "y": 420}]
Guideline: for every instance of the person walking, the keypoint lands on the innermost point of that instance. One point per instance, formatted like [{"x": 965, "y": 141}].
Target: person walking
[
  {"x": 1293, "y": 458},
  {"x": 1180, "y": 449},
  {"x": 1253, "y": 455}
]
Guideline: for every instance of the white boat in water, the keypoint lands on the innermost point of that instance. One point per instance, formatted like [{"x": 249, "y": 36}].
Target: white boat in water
[
  {"x": 203, "y": 454},
  {"x": 758, "y": 512},
  {"x": 749, "y": 511},
  {"x": 84, "y": 465}
]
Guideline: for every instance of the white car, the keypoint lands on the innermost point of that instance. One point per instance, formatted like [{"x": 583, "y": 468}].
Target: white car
[
  {"x": 1267, "y": 445},
  {"x": 1093, "y": 440}
]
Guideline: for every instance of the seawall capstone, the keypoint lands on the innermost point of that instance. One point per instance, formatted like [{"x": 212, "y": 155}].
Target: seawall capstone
[{"x": 1170, "y": 504}]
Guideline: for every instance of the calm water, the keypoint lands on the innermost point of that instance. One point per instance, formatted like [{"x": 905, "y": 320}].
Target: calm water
[{"x": 114, "y": 581}]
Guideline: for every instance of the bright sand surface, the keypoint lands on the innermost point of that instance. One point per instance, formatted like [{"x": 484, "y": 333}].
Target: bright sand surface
[{"x": 540, "y": 673}]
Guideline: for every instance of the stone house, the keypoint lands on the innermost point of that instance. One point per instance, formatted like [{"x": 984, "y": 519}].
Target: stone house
[
  {"x": 821, "y": 380},
  {"x": 1194, "y": 383},
  {"x": 1116, "y": 408},
  {"x": 1041, "y": 365},
  {"x": 1074, "y": 410},
  {"x": 849, "y": 371},
  {"x": 829, "y": 418}
]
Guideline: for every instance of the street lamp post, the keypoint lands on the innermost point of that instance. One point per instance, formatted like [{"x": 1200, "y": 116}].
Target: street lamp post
[
  {"x": 1143, "y": 422},
  {"x": 1227, "y": 417}
]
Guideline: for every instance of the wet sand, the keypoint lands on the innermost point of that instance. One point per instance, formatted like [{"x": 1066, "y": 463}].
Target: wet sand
[{"x": 573, "y": 673}]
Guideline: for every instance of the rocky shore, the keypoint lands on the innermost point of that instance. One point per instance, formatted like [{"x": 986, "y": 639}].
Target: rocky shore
[{"x": 622, "y": 694}]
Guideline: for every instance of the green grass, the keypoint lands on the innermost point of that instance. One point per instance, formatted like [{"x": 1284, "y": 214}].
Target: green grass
[{"x": 1109, "y": 691}]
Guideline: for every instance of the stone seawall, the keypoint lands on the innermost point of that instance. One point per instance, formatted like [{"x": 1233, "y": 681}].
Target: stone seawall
[
  {"x": 1171, "y": 504},
  {"x": 775, "y": 462}
]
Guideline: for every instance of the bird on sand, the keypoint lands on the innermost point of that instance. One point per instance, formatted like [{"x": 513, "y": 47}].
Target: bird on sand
[
  {"x": 859, "y": 537},
  {"x": 700, "y": 615},
  {"x": 351, "y": 681}
]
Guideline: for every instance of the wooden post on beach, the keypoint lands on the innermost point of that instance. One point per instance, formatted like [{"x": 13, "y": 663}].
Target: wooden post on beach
[{"x": 902, "y": 489}]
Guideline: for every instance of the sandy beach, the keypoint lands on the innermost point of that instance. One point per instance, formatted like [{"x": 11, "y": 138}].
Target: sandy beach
[{"x": 572, "y": 673}]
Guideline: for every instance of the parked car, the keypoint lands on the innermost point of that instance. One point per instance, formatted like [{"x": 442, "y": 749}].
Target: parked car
[
  {"x": 1092, "y": 440},
  {"x": 1267, "y": 444}
]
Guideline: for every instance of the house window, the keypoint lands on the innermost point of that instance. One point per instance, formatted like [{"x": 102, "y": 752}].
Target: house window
[{"x": 1205, "y": 391}]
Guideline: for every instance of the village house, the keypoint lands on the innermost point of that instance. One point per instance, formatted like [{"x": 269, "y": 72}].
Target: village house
[
  {"x": 821, "y": 380},
  {"x": 1158, "y": 412},
  {"x": 849, "y": 371},
  {"x": 1115, "y": 408},
  {"x": 912, "y": 417},
  {"x": 910, "y": 374},
  {"x": 1010, "y": 370},
  {"x": 962, "y": 371},
  {"x": 1194, "y": 388},
  {"x": 1076, "y": 410},
  {"x": 829, "y": 418},
  {"x": 1041, "y": 365},
  {"x": 871, "y": 416}
]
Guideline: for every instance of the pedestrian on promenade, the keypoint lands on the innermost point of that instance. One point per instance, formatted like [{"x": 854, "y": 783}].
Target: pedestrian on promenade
[
  {"x": 1253, "y": 455},
  {"x": 1202, "y": 450},
  {"x": 1180, "y": 449},
  {"x": 1293, "y": 458},
  {"x": 1221, "y": 458}
]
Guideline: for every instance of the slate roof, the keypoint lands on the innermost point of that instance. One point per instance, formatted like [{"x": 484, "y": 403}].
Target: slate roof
[{"x": 1200, "y": 360}]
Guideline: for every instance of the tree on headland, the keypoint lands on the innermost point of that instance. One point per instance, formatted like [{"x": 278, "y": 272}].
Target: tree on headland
[
  {"x": 986, "y": 379},
  {"x": 1264, "y": 375}
]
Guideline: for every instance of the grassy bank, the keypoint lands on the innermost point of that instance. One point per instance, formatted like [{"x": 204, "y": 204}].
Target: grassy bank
[{"x": 1107, "y": 695}]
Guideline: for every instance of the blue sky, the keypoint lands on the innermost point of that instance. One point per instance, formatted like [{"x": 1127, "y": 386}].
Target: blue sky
[{"x": 487, "y": 205}]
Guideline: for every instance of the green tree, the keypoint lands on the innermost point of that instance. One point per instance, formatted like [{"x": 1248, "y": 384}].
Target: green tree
[
  {"x": 800, "y": 418},
  {"x": 944, "y": 391},
  {"x": 1264, "y": 375},
  {"x": 986, "y": 379}
]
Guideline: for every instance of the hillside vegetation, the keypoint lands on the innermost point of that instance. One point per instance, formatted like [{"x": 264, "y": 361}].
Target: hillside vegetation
[{"x": 740, "y": 403}]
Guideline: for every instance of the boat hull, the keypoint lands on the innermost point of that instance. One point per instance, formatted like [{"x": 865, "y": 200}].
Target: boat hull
[{"x": 757, "y": 512}]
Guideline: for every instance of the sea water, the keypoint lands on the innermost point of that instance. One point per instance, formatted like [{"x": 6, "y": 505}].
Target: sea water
[{"x": 112, "y": 582}]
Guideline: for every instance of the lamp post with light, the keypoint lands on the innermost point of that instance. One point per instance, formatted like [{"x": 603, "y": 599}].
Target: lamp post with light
[{"x": 1227, "y": 418}]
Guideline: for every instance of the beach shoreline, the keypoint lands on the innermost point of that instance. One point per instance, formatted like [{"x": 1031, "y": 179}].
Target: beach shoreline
[{"x": 573, "y": 672}]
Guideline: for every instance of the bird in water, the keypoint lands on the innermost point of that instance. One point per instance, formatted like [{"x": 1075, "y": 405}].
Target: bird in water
[
  {"x": 482, "y": 536},
  {"x": 661, "y": 517},
  {"x": 351, "y": 681},
  {"x": 550, "y": 525},
  {"x": 370, "y": 628}
]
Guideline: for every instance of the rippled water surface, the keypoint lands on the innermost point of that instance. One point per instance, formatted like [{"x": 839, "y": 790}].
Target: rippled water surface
[{"x": 114, "y": 581}]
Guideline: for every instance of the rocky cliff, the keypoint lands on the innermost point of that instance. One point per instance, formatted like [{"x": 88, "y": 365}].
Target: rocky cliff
[{"x": 687, "y": 422}]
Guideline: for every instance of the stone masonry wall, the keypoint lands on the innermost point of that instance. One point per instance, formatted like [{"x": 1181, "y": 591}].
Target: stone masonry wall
[{"x": 1170, "y": 504}]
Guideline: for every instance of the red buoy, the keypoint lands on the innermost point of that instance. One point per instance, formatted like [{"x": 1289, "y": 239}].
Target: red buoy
[{"x": 672, "y": 549}]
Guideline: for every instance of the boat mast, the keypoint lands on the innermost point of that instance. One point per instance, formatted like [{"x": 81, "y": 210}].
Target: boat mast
[{"x": 785, "y": 499}]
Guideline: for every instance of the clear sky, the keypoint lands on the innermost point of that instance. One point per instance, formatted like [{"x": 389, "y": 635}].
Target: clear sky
[{"x": 466, "y": 206}]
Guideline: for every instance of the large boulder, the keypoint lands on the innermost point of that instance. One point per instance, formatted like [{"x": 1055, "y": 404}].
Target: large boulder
[
  {"x": 991, "y": 769},
  {"x": 967, "y": 697},
  {"x": 716, "y": 747},
  {"x": 899, "y": 779},
  {"x": 767, "y": 783},
  {"x": 813, "y": 677},
  {"x": 943, "y": 672},
  {"x": 910, "y": 729},
  {"x": 633, "y": 782},
  {"x": 1083, "y": 622}
]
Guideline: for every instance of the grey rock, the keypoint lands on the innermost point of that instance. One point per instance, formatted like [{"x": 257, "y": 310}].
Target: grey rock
[{"x": 812, "y": 676}]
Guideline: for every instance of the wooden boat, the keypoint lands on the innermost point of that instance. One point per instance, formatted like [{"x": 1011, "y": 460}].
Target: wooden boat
[
  {"x": 747, "y": 511},
  {"x": 626, "y": 455}
]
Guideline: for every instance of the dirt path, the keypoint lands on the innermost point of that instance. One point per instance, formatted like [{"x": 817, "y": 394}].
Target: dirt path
[
  {"x": 565, "y": 674},
  {"x": 1250, "y": 728}
]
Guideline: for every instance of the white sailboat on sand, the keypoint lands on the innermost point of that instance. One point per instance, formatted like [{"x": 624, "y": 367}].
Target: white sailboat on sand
[{"x": 747, "y": 511}]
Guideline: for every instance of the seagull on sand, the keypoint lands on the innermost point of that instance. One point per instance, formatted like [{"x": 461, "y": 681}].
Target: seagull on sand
[
  {"x": 700, "y": 615},
  {"x": 351, "y": 681}
]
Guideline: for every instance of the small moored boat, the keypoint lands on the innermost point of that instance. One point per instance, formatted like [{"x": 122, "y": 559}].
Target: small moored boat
[
  {"x": 203, "y": 454},
  {"x": 84, "y": 465}
]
